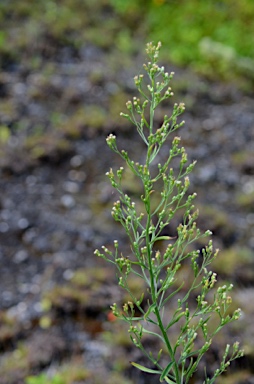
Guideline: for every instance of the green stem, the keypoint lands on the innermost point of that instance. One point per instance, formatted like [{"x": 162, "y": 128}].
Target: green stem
[
  {"x": 167, "y": 342},
  {"x": 152, "y": 106},
  {"x": 154, "y": 292},
  {"x": 149, "y": 252}
]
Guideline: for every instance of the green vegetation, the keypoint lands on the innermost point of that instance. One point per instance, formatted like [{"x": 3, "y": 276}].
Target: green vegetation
[
  {"x": 214, "y": 37},
  {"x": 226, "y": 22},
  {"x": 67, "y": 374}
]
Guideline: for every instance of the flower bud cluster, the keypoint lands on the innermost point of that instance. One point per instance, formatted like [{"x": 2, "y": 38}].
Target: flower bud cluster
[
  {"x": 111, "y": 177},
  {"x": 175, "y": 150},
  {"x": 168, "y": 93},
  {"x": 116, "y": 211},
  {"x": 153, "y": 50},
  {"x": 115, "y": 310},
  {"x": 138, "y": 80},
  {"x": 168, "y": 252},
  {"x": 119, "y": 173},
  {"x": 129, "y": 308},
  {"x": 124, "y": 264},
  {"x": 106, "y": 251},
  {"x": 111, "y": 141},
  {"x": 190, "y": 167},
  {"x": 237, "y": 314},
  {"x": 184, "y": 158}
]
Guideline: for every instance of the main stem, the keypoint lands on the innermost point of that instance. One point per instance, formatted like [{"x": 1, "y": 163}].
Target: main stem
[
  {"x": 154, "y": 289},
  {"x": 149, "y": 245}
]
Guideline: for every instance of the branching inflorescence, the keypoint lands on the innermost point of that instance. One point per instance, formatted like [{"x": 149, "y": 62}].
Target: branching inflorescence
[{"x": 164, "y": 197}]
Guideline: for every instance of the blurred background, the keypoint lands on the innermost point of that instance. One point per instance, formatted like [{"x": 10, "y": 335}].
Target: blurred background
[{"x": 66, "y": 71}]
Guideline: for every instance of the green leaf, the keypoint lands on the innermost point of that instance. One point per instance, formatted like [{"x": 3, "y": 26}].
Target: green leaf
[
  {"x": 154, "y": 334},
  {"x": 144, "y": 369},
  {"x": 169, "y": 381},
  {"x": 150, "y": 310},
  {"x": 164, "y": 238},
  {"x": 166, "y": 371}
]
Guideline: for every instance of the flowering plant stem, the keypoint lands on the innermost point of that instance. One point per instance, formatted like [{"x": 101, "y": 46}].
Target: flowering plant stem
[{"x": 201, "y": 310}]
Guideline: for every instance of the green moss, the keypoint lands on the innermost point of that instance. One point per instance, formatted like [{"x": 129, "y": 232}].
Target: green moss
[
  {"x": 80, "y": 290},
  {"x": 136, "y": 286},
  {"x": 4, "y": 134},
  {"x": 8, "y": 109},
  {"x": 116, "y": 378},
  {"x": 45, "y": 145},
  {"x": 118, "y": 337},
  {"x": 243, "y": 159},
  {"x": 116, "y": 102},
  {"x": 63, "y": 295},
  {"x": 235, "y": 378},
  {"x": 230, "y": 261},
  {"x": 216, "y": 220},
  {"x": 84, "y": 277},
  {"x": 8, "y": 327},
  {"x": 246, "y": 201},
  {"x": 15, "y": 365},
  {"x": 85, "y": 121},
  {"x": 69, "y": 373},
  {"x": 95, "y": 116}
]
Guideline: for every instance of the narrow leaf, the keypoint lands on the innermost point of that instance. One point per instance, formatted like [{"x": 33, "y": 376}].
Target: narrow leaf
[
  {"x": 150, "y": 310},
  {"x": 164, "y": 238},
  {"x": 169, "y": 381},
  {"x": 144, "y": 369},
  {"x": 154, "y": 334},
  {"x": 166, "y": 371}
]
